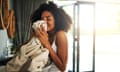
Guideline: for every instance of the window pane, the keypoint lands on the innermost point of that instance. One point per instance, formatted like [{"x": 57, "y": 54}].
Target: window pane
[
  {"x": 107, "y": 38},
  {"x": 86, "y": 36}
]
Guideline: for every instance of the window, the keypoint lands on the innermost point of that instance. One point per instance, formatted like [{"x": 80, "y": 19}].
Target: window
[
  {"x": 99, "y": 32},
  {"x": 86, "y": 21},
  {"x": 107, "y": 37}
]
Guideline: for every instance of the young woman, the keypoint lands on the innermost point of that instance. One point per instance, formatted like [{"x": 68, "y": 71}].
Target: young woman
[{"x": 55, "y": 39}]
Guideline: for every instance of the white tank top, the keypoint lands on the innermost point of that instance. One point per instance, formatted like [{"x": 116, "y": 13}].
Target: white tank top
[
  {"x": 54, "y": 45},
  {"x": 53, "y": 66}
]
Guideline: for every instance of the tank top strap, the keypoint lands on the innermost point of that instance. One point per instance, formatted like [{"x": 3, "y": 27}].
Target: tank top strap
[{"x": 54, "y": 45}]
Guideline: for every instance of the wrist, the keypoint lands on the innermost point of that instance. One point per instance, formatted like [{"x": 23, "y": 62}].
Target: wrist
[{"x": 47, "y": 46}]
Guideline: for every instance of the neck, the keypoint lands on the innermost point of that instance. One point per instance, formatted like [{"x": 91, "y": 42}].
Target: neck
[
  {"x": 51, "y": 33},
  {"x": 51, "y": 36}
]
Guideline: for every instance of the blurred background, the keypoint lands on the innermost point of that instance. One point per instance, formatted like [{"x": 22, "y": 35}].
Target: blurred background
[{"x": 93, "y": 39}]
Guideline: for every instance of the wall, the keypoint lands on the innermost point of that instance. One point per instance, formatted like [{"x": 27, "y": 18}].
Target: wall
[{"x": 4, "y": 40}]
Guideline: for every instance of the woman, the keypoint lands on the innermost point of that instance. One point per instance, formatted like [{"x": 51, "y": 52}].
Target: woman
[{"x": 55, "y": 39}]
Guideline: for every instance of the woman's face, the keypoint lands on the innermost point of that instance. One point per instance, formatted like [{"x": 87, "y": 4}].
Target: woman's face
[{"x": 48, "y": 17}]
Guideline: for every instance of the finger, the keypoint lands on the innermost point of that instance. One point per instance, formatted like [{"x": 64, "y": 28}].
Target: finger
[
  {"x": 37, "y": 32},
  {"x": 42, "y": 31},
  {"x": 43, "y": 28}
]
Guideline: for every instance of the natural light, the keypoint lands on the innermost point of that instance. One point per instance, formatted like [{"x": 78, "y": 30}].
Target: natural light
[
  {"x": 106, "y": 18},
  {"x": 107, "y": 37}
]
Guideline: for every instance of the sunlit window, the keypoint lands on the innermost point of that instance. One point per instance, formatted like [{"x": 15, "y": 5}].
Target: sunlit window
[
  {"x": 86, "y": 34},
  {"x": 106, "y": 19},
  {"x": 107, "y": 37}
]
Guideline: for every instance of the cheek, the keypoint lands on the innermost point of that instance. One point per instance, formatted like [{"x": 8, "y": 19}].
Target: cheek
[{"x": 51, "y": 26}]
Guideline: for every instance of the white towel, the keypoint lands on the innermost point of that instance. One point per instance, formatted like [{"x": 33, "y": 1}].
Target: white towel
[
  {"x": 33, "y": 46},
  {"x": 38, "y": 62},
  {"x": 41, "y": 60},
  {"x": 37, "y": 24}
]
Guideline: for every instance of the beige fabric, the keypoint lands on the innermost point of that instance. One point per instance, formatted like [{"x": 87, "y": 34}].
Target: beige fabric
[
  {"x": 15, "y": 64},
  {"x": 38, "y": 62},
  {"x": 34, "y": 46},
  {"x": 38, "y": 23}
]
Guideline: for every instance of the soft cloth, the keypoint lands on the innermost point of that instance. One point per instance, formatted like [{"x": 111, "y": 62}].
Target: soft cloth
[
  {"x": 37, "y": 24},
  {"x": 39, "y": 62},
  {"x": 26, "y": 51}
]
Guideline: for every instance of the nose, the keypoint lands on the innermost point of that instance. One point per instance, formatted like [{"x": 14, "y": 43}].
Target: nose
[{"x": 45, "y": 19}]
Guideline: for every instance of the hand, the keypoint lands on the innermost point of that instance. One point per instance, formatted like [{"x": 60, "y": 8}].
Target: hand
[{"x": 42, "y": 36}]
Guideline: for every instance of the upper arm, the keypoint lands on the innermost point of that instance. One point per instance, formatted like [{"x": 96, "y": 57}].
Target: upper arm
[{"x": 62, "y": 46}]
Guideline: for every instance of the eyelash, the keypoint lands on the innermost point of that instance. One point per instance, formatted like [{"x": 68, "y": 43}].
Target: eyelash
[{"x": 46, "y": 18}]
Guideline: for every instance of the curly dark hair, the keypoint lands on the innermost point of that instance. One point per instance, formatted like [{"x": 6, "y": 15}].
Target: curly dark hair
[{"x": 62, "y": 19}]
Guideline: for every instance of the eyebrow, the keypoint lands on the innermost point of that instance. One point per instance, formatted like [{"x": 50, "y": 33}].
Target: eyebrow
[{"x": 46, "y": 17}]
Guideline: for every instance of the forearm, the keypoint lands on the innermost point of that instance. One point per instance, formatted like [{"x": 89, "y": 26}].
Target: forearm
[{"x": 59, "y": 63}]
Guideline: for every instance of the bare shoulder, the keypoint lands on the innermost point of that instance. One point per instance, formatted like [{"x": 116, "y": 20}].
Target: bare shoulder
[
  {"x": 60, "y": 34},
  {"x": 61, "y": 37}
]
